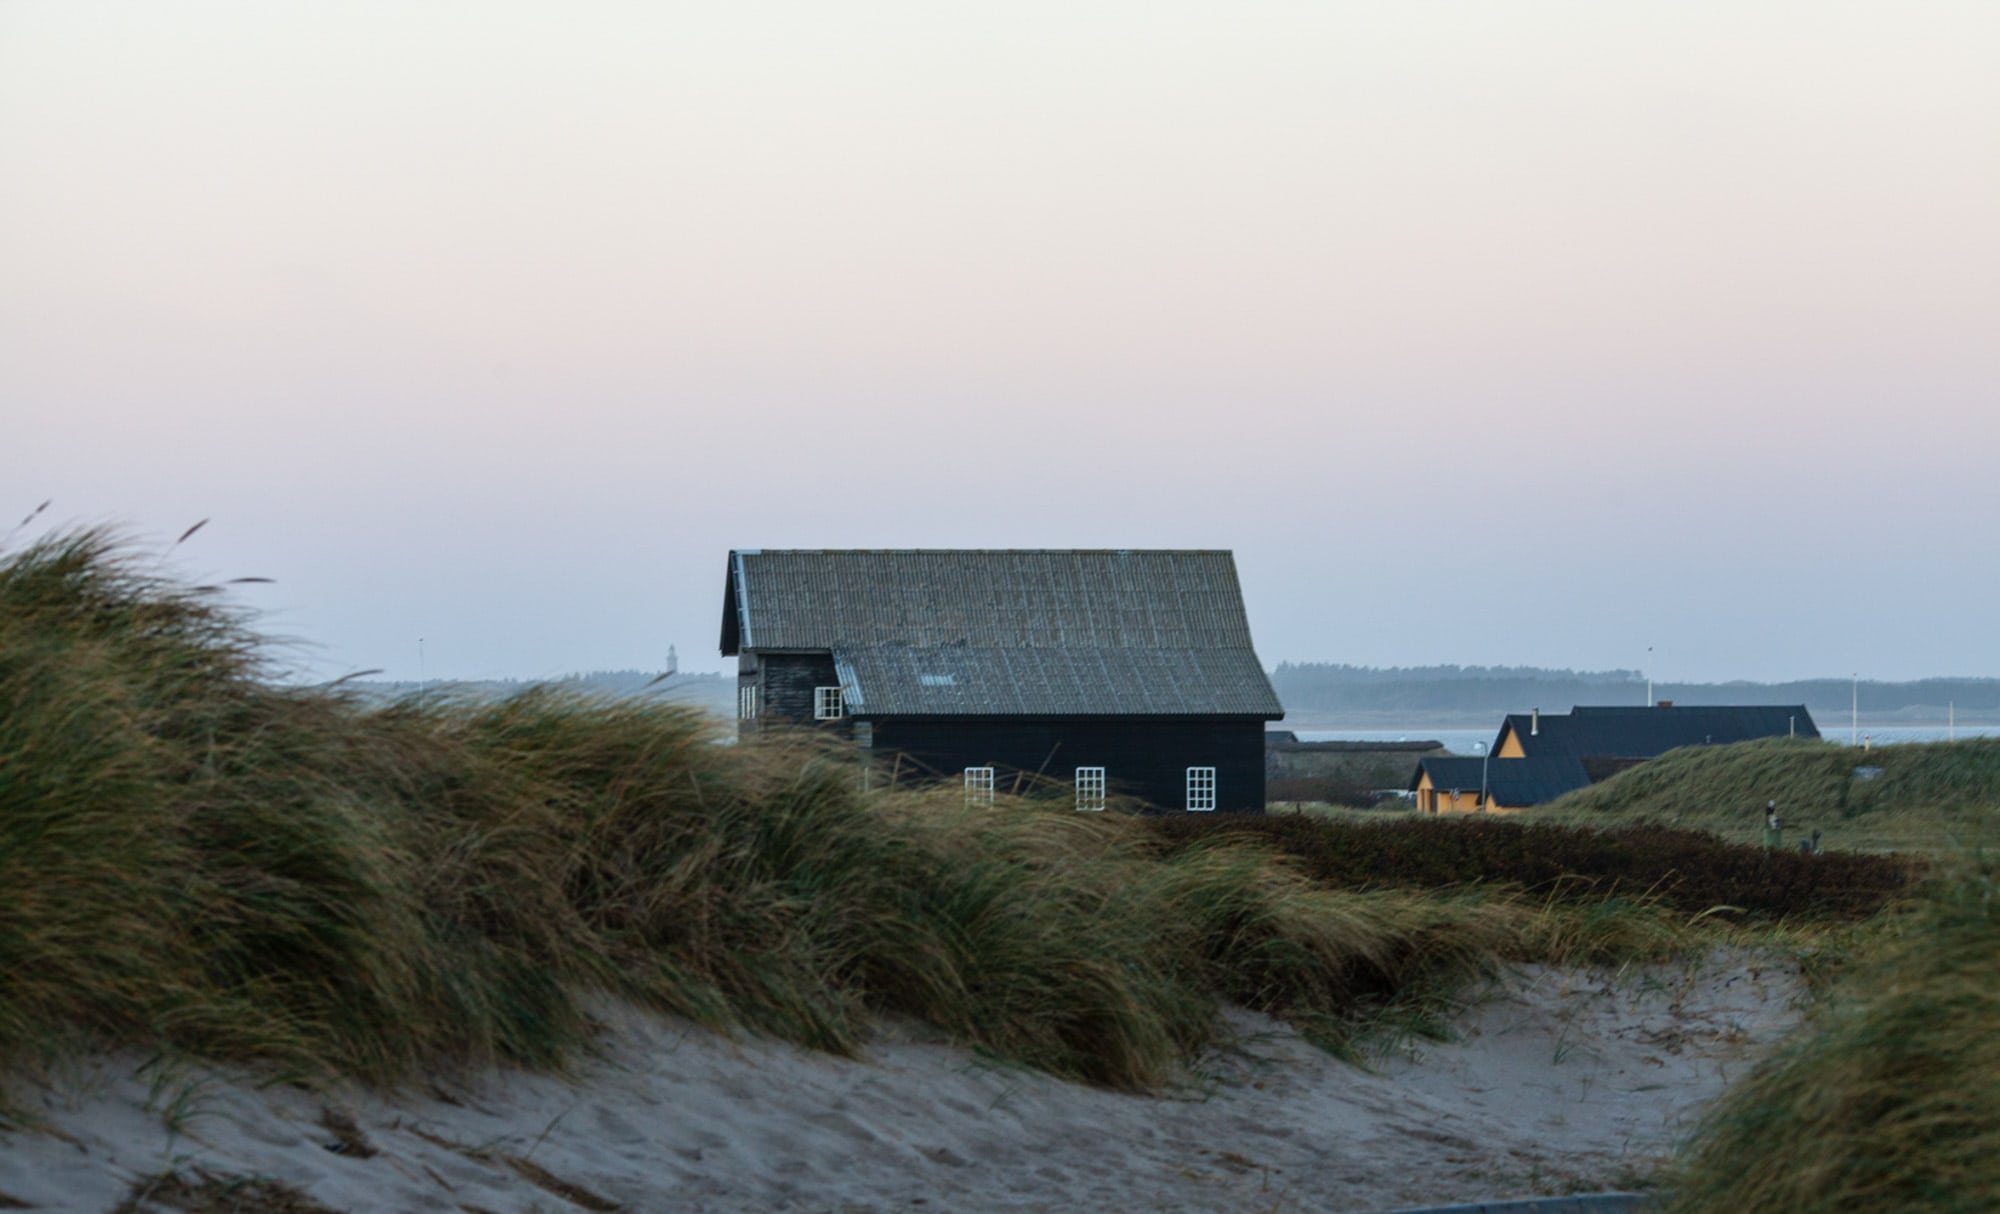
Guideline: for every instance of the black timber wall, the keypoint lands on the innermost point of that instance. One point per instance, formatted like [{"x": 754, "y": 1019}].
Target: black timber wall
[
  {"x": 785, "y": 684},
  {"x": 1368, "y": 764},
  {"x": 1142, "y": 757}
]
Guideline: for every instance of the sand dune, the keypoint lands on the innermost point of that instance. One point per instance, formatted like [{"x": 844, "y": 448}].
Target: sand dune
[{"x": 1559, "y": 1080}]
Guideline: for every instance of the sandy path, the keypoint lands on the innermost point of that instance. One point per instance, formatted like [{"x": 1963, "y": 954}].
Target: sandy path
[{"x": 1560, "y": 1079}]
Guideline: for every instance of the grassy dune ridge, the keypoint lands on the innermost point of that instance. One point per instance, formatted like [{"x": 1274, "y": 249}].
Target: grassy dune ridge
[
  {"x": 194, "y": 859},
  {"x": 1927, "y": 797}
]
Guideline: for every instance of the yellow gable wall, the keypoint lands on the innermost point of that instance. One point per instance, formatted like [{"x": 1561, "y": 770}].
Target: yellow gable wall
[
  {"x": 1510, "y": 746},
  {"x": 1432, "y": 800}
]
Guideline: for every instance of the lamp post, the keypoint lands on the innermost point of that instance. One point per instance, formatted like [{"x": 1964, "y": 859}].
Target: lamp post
[
  {"x": 1485, "y": 757},
  {"x": 1854, "y": 713},
  {"x": 1649, "y": 676}
]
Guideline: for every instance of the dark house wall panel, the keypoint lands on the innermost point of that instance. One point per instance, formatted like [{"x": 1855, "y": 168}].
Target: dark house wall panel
[
  {"x": 788, "y": 681},
  {"x": 1147, "y": 759},
  {"x": 785, "y": 683}
]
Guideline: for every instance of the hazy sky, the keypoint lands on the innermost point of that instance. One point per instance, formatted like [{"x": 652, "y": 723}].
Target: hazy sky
[{"x": 1484, "y": 332}]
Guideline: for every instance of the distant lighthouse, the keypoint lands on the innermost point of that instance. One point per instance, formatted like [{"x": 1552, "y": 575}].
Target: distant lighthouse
[{"x": 673, "y": 661}]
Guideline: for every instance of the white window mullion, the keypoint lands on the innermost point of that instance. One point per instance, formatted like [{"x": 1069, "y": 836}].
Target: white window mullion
[
  {"x": 979, "y": 787},
  {"x": 1200, "y": 789},
  {"x": 1090, "y": 788}
]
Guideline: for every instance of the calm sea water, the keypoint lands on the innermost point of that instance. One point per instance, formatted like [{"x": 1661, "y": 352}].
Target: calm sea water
[{"x": 1465, "y": 741}]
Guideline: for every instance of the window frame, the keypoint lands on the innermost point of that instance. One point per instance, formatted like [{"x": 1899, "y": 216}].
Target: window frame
[
  {"x": 1090, "y": 789},
  {"x": 979, "y": 786},
  {"x": 828, "y": 707},
  {"x": 746, "y": 702},
  {"x": 1201, "y": 790}
]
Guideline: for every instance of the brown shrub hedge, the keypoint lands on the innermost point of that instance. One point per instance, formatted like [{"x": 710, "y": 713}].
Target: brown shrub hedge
[{"x": 1686, "y": 869}]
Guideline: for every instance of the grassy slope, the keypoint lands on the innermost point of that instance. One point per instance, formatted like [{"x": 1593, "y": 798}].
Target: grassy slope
[{"x": 1937, "y": 798}]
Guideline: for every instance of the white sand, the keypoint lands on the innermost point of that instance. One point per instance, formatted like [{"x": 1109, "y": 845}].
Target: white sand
[{"x": 1561, "y": 1080}]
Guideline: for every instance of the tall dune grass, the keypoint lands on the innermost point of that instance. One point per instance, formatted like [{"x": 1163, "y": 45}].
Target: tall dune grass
[
  {"x": 1890, "y": 1101},
  {"x": 194, "y": 859}
]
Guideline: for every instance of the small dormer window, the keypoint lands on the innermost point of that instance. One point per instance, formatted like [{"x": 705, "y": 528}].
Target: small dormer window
[{"x": 827, "y": 704}]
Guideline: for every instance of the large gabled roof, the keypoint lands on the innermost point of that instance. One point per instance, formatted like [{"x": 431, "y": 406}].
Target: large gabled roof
[
  {"x": 1510, "y": 782},
  {"x": 1643, "y": 733},
  {"x": 965, "y": 632}
]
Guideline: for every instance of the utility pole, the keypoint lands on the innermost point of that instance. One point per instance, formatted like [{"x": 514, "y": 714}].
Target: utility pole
[
  {"x": 1485, "y": 756},
  {"x": 1854, "y": 713}
]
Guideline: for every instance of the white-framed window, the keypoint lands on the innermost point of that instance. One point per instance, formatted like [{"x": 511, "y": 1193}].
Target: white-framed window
[
  {"x": 1200, "y": 789},
  {"x": 827, "y": 704},
  {"x": 746, "y": 702},
  {"x": 979, "y": 786},
  {"x": 1090, "y": 788}
]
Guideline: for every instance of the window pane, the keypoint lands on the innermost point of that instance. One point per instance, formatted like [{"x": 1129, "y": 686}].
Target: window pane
[
  {"x": 1090, "y": 788},
  {"x": 979, "y": 786},
  {"x": 1200, "y": 789}
]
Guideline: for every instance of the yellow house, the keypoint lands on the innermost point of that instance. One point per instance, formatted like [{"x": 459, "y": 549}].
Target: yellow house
[
  {"x": 1434, "y": 797},
  {"x": 1476, "y": 785}
]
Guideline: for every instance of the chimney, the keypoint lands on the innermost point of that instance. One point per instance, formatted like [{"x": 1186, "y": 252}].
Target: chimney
[{"x": 1535, "y": 723}]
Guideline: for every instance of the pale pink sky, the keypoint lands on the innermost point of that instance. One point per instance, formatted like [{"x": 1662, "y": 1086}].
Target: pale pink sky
[{"x": 1484, "y": 333}]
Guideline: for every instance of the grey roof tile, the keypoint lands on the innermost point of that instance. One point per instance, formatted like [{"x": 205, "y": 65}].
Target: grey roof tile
[{"x": 1032, "y": 632}]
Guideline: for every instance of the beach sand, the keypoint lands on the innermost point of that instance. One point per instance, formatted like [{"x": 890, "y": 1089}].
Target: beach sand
[{"x": 1558, "y": 1080}]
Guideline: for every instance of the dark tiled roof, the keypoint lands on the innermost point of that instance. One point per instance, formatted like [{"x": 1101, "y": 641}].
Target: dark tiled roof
[
  {"x": 1509, "y": 781},
  {"x": 1069, "y": 680},
  {"x": 971, "y": 633},
  {"x": 1643, "y": 733}
]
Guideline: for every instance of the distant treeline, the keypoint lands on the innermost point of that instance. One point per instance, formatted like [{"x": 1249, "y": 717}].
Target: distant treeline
[{"x": 1414, "y": 693}]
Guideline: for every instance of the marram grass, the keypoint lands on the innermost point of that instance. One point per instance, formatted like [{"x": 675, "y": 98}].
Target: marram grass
[
  {"x": 1889, "y": 1101},
  {"x": 198, "y": 861}
]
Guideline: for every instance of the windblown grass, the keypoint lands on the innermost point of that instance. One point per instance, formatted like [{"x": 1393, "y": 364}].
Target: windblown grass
[
  {"x": 1935, "y": 798},
  {"x": 197, "y": 861},
  {"x": 1890, "y": 1099}
]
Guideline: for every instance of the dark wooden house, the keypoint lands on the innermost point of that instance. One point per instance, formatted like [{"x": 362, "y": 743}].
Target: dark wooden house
[
  {"x": 1120, "y": 673},
  {"x": 1610, "y": 739}
]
